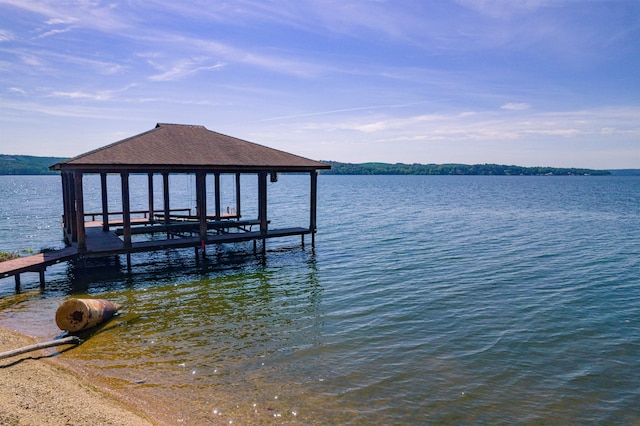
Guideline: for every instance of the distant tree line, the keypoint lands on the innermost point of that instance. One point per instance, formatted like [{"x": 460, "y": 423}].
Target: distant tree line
[
  {"x": 454, "y": 169},
  {"x": 625, "y": 172},
  {"x": 32, "y": 165},
  {"x": 27, "y": 165}
]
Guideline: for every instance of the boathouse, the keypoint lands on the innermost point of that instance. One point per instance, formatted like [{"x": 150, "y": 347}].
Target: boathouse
[{"x": 166, "y": 150}]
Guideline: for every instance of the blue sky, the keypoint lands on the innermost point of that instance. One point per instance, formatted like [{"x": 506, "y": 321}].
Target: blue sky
[{"x": 526, "y": 82}]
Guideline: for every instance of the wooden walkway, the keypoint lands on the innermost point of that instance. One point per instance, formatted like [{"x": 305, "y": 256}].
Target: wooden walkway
[
  {"x": 35, "y": 263},
  {"x": 107, "y": 243}
]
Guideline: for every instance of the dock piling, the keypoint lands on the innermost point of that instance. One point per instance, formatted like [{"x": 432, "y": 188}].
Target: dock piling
[{"x": 41, "y": 272}]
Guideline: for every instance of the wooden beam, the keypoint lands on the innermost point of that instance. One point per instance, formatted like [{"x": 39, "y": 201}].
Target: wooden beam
[
  {"x": 201, "y": 203},
  {"x": 73, "y": 223},
  {"x": 41, "y": 272},
  {"x": 105, "y": 202},
  {"x": 69, "y": 217},
  {"x": 218, "y": 202},
  {"x": 65, "y": 205},
  {"x": 313, "y": 201},
  {"x": 150, "y": 185},
  {"x": 165, "y": 192},
  {"x": 126, "y": 209},
  {"x": 79, "y": 211},
  {"x": 238, "y": 195},
  {"x": 262, "y": 202}
]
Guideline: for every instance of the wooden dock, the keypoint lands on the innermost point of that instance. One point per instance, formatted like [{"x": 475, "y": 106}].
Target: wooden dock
[
  {"x": 100, "y": 243},
  {"x": 35, "y": 263},
  {"x": 160, "y": 154}
]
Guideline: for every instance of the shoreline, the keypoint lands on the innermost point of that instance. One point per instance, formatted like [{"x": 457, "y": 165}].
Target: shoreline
[{"x": 40, "y": 390}]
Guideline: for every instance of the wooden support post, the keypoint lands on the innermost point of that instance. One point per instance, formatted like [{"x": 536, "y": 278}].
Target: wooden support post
[
  {"x": 42, "y": 278},
  {"x": 165, "y": 191},
  {"x": 238, "y": 195},
  {"x": 71, "y": 216},
  {"x": 201, "y": 204},
  {"x": 151, "y": 207},
  {"x": 262, "y": 208},
  {"x": 65, "y": 205},
  {"x": 262, "y": 203},
  {"x": 82, "y": 236},
  {"x": 126, "y": 209},
  {"x": 313, "y": 203},
  {"x": 218, "y": 202},
  {"x": 105, "y": 202},
  {"x": 17, "y": 278}
]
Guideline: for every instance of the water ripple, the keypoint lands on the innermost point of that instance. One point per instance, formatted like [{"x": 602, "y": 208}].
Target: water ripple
[{"x": 447, "y": 300}]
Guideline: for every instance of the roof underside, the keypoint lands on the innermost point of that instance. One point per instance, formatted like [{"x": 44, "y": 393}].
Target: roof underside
[{"x": 179, "y": 147}]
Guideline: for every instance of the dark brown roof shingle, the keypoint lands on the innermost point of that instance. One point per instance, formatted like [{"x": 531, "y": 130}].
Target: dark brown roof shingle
[{"x": 179, "y": 147}]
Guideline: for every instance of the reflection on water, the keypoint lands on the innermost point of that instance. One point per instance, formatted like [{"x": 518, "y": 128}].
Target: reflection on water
[{"x": 220, "y": 330}]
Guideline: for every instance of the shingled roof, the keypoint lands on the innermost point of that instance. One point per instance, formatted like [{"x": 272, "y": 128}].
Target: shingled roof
[{"x": 180, "y": 147}]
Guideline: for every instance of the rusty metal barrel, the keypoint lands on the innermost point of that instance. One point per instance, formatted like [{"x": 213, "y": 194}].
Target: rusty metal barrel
[{"x": 80, "y": 314}]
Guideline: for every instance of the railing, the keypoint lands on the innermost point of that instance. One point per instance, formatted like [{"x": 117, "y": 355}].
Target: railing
[{"x": 144, "y": 213}]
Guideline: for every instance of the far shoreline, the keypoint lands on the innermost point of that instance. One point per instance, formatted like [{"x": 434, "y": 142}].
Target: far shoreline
[{"x": 27, "y": 165}]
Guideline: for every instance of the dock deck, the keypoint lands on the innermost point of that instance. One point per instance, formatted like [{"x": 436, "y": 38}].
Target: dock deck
[
  {"x": 100, "y": 243},
  {"x": 36, "y": 262}
]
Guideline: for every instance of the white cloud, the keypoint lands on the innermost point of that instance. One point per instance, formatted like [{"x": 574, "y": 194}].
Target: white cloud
[
  {"x": 71, "y": 110},
  {"x": 58, "y": 21},
  {"x": 487, "y": 125},
  {"x": 87, "y": 14},
  {"x": 515, "y": 106},
  {"x": 6, "y": 35},
  {"x": 182, "y": 69},
  {"x": 554, "y": 132},
  {"x": 54, "y": 32},
  {"x": 330, "y": 69},
  {"x": 342, "y": 110},
  {"x": 31, "y": 60},
  {"x": 101, "y": 95},
  {"x": 55, "y": 61}
]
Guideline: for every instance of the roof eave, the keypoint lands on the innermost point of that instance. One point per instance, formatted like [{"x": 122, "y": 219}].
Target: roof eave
[{"x": 156, "y": 168}]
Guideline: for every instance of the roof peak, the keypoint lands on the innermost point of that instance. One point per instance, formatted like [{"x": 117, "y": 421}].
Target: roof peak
[{"x": 177, "y": 124}]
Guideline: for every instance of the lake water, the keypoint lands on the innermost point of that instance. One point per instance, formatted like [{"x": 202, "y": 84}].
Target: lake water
[{"x": 427, "y": 300}]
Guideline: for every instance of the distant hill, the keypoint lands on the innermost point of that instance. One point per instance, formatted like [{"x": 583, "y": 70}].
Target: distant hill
[
  {"x": 454, "y": 169},
  {"x": 32, "y": 165},
  {"x": 27, "y": 165}
]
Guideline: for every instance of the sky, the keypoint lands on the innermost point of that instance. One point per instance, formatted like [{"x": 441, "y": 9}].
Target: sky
[{"x": 523, "y": 82}]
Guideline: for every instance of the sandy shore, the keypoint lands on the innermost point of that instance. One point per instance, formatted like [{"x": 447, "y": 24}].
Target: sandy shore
[{"x": 37, "y": 391}]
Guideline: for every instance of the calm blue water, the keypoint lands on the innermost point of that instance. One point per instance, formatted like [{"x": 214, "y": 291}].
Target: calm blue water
[{"x": 427, "y": 300}]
